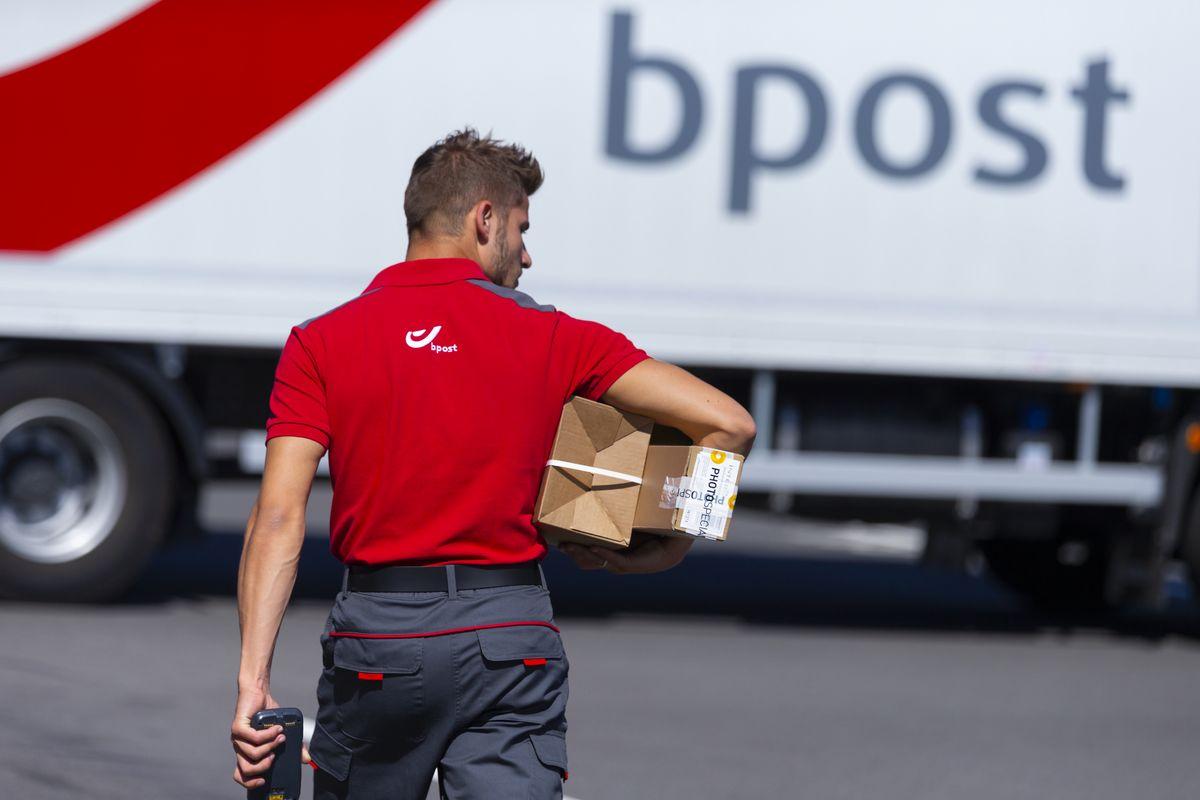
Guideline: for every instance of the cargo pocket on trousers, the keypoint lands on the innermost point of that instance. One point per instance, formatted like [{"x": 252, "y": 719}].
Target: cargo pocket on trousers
[
  {"x": 523, "y": 643},
  {"x": 379, "y": 689},
  {"x": 329, "y": 755},
  {"x": 551, "y": 750}
]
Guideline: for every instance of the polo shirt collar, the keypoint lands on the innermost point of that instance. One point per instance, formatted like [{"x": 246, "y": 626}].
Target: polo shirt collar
[{"x": 426, "y": 272}]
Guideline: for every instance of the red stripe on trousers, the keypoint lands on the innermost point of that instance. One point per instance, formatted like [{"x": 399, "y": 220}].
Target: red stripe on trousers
[{"x": 447, "y": 632}]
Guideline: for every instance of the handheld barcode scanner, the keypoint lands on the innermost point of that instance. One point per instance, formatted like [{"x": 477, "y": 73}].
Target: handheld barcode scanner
[{"x": 283, "y": 778}]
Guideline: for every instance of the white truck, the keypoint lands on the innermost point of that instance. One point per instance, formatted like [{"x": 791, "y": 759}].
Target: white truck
[{"x": 947, "y": 253}]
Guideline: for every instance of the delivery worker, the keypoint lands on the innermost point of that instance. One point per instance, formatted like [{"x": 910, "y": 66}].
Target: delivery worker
[{"x": 437, "y": 392}]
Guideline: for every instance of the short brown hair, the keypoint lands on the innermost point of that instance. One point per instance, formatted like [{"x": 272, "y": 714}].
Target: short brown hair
[{"x": 458, "y": 171}]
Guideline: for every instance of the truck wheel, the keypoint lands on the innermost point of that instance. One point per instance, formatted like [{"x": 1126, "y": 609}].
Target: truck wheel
[
  {"x": 1065, "y": 574},
  {"x": 86, "y": 481}
]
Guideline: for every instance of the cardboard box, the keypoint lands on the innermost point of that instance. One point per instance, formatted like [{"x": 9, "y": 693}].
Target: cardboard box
[
  {"x": 590, "y": 486},
  {"x": 688, "y": 491}
]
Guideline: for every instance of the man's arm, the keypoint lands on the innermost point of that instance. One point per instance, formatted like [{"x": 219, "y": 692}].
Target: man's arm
[
  {"x": 266, "y": 575},
  {"x": 675, "y": 397}
]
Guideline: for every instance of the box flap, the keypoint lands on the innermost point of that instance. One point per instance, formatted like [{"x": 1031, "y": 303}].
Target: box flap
[
  {"x": 593, "y": 434},
  {"x": 595, "y": 421},
  {"x": 595, "y": 516}
]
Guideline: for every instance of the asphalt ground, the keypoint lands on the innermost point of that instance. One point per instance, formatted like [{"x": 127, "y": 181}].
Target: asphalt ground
[{"x": 780, "y": 666}]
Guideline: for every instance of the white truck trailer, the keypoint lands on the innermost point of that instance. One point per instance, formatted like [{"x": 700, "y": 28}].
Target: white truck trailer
[{"x": 947, "y": 252}]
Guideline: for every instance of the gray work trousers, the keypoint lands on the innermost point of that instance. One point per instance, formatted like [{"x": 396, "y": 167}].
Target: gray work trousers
[{"x": 485, "y": 706}]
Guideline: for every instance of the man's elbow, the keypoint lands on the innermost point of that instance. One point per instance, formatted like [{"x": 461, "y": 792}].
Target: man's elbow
[
  {"x": 277, "y": 517},
  {"x": 740, "y": 429}
]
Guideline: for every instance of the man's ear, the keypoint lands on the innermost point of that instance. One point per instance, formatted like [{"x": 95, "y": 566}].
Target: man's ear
[{"x": 485, "y": 221}]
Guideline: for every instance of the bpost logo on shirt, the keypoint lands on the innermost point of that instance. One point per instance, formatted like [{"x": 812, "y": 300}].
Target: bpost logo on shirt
[{"x": 424, "y": 338}]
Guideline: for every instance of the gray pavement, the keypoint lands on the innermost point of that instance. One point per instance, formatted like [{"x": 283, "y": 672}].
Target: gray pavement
[{"x": 742, "y": 674}]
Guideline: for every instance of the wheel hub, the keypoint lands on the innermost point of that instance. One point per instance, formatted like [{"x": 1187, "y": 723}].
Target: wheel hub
[{"x": 62, "y": 480}]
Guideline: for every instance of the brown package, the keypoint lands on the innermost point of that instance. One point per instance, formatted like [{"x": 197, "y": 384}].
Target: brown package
[
  {"x": 578, "y": 505},
  {"x": 709, "y": 509}
]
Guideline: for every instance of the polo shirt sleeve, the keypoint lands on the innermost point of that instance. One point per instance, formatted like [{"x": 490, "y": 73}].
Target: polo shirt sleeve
[
  {"x": 297, "y": 404},
  {"x": 593, "y": 355}
]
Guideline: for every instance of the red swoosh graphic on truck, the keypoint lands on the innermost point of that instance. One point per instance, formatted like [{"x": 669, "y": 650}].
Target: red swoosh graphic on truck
[{"x": 99, "y": 130}]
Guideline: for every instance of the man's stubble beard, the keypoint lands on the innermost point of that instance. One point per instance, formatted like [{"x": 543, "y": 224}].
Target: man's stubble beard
[{"x": 500, "y": 265}]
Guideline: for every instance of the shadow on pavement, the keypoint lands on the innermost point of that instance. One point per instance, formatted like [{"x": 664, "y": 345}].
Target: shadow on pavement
[{"x": 761, "y": 589}]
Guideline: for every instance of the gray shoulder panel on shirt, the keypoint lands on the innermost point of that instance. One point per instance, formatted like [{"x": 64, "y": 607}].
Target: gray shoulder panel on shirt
[
  {"x": 304, "y": 324},
  {"x": 520, "y": 298}
]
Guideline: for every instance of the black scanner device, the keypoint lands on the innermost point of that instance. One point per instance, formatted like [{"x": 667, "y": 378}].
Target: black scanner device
[{"x": 283, "y": 778}]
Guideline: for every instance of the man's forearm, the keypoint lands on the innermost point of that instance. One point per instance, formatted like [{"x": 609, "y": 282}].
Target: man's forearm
[
  {"x": 673, "y": 396},
  {"x": 270, "y": 556}
]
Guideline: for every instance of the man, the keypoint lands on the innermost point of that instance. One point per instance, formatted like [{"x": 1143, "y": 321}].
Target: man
[{"x": 437, "y": 393}]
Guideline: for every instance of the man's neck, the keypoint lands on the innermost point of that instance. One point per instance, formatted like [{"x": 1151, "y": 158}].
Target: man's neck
[{"x": 439, "y": 248}]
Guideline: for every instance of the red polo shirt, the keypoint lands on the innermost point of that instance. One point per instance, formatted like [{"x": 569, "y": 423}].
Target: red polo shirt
[{"x": 438, "y": 394}]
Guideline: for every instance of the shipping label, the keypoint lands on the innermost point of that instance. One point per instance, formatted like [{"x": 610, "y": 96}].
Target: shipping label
[{"x": 707, "y": 496}]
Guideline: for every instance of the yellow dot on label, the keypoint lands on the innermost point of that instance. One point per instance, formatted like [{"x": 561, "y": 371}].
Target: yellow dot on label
[
  {"x": 717, "y": 456},
  {"x": 732, "y": 498}
]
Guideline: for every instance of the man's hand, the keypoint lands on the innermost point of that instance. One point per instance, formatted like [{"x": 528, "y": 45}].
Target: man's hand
[
  {"x": 253, "y": 748},
  {"x": 651, "y": 554}
]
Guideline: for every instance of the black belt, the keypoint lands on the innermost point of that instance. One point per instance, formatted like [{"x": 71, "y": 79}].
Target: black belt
[{"x": 403, "y": 578}]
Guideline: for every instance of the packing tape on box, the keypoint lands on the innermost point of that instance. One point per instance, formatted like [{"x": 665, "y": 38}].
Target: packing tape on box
[
  {"x": 670, "y": 491},
  {"x": 608, "y": 473},
  {"x": 706, "y": 496}
]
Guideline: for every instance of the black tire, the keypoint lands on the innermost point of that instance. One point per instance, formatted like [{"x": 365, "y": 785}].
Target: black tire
[
  {"x": 136, "y": 453},
  {"x": 1036, "y": 570}
]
